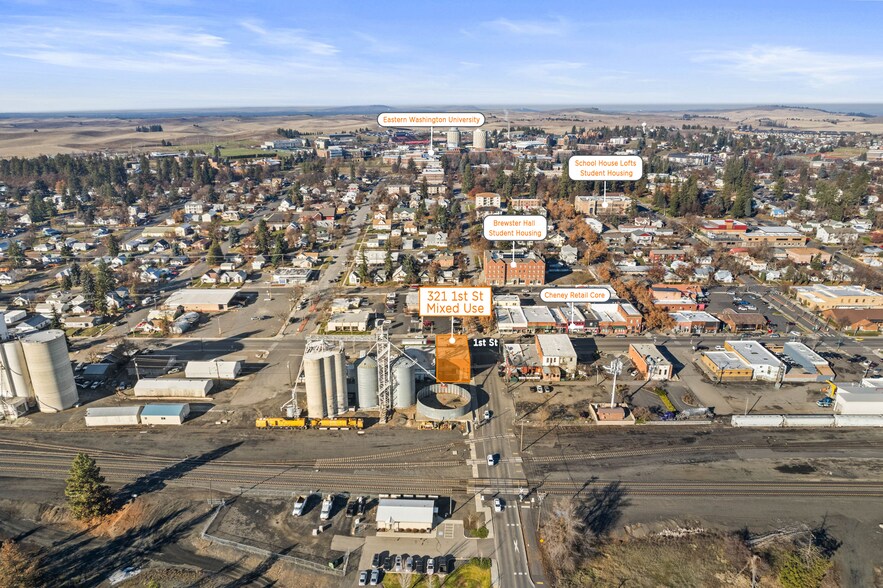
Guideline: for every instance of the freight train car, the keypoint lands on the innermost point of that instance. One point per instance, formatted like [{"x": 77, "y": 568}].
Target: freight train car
[{"x": 302, "y": 423}]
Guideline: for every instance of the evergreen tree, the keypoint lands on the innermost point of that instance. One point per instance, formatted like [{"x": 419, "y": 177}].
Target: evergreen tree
[
  {"x": 87, "y": 281},
  {"x": 215, "y": 254},
  {"x": 113, "y": 245},
  {"x": 15, "y": 254},
  {"x": 87, "y": 495},
  {"x": 467, "y": 181},
  {"x": 279, "y": 248},
  {"x": 387, "y": 264},
  {"x": 17, "y": 569},
  {"x": 364, "y": 272},
  {"x": 262, "y": 237},
  {"x": 67, "y": 282}
]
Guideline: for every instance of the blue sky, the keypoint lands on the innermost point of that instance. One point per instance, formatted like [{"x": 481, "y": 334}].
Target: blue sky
[{"x": 140, "y": 54}]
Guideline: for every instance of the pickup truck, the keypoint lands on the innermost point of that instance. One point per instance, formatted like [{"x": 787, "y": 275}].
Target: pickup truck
[
  {"x": 299, "y": 503},
  {"x": 327, "y": 503}
]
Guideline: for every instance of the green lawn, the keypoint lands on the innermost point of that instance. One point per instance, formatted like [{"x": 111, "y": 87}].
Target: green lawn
[{"x": 468, "y": 575}]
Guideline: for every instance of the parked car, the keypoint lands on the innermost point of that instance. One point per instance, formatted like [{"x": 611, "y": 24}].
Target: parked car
[
  {"x": 719, "y": 348},
  {"x": 375, "y": 577},
  {"x": 825, "y": 402},
  {"x": 375, "y": 561},
  {"x": 491, "y": 459},
  {"x": 363, "y": 578},
  {"x": 398, "y": 565},
  {"x": 409, "y": 564},
  {"x": 487, "y": 415},
  {"x": 430, "y": 566}
]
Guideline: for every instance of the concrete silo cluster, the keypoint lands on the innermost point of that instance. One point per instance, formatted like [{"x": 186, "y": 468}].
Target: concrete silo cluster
[
  {"x": 37, "y": 368},
  {"x": 325, "y": 382}
]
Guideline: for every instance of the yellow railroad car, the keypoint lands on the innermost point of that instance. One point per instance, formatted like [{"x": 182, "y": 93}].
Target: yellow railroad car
[{"x": 279, "y": 423}]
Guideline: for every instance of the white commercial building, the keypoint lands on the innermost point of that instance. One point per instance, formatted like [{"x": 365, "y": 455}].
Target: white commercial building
[
  {"x": 853, "y": 399},
  {"x": 405, "y": 514},
  {"x": 557, "y": 351},
  {"x": 766, "y": 366}
]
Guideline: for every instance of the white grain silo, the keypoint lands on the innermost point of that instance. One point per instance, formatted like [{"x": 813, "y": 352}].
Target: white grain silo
[
  {"x": 4, "y": 332},
  {"x": 49, "y": 366},
  {"x": 329, "y": 382},
  {"x": 454, "y": 138},
  {"x": 340, "y": 388},
  {"x": 15, "y": 370},
  {"x": 313, "y": 377},
  {"x": 479, "y": 139},
  {"x": 404, "y": 389},
  {"x": 366, "y": 382}
]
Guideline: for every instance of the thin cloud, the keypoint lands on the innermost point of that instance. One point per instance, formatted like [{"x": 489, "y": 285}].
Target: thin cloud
[
  {"x": 764, "y": 62},
  {"x": 529, "y": 27},
  {"x": 289, "y": 38}
]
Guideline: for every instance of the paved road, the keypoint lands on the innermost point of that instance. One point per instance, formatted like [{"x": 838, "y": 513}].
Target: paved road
[{"x": 497, "y": 437}]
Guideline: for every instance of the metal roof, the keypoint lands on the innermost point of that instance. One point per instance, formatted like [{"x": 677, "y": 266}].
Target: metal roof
[
  {"x": 405, "y": 510},
  {"x": 113, "y": 411},
  {"x": 164, "y": 409}
]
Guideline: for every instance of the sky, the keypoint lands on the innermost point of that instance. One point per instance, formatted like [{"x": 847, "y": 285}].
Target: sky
[{"x": 76, "y": 55}]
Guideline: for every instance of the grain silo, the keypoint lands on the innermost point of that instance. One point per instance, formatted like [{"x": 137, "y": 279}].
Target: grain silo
[
  {"x": 329, "y": 382},
  {"x": 15, "y": 370},
  {"x": 340, "y": 383},
  {"x": 4, "y": 332},
  {"x": 479, "y": 139},
  {"x": 313, "y": 376},
  {"x": 404, "y": 393},
  {"x": 453, "y": 138},
  {"x": 366, "y": 382},
  {"x": 49, "y": 366}
]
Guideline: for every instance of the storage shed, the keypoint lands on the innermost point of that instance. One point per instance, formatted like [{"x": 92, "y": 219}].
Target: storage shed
[
  {"x": 165, "y": 414},
  {"x": 218, "y": 370},
  {"x": 172, "y": 388},
  {"x": 113, "y": 416}
]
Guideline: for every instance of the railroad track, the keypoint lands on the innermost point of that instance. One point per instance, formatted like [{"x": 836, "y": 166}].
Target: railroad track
[
  {"x": 294, "y": 481},
  {"x": 592, "y": 455},
  {"x": 386, "y": 459}
]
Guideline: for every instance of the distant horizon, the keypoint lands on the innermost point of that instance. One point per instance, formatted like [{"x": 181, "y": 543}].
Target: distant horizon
[
  {"x": 843, "y": 108},
  {"x": 114, "y": 55}
]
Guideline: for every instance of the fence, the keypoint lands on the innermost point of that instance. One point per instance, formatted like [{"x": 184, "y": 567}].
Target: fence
[{"x": 304, "y": 563}]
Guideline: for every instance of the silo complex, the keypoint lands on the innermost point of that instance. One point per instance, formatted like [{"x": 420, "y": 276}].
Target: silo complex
[
  {"x": 366, "y": 382},
  {"x": 404, "y": 393},
  {"x": 325, "y": 382},
  {"x": 479, "y": 139},
  {"x": 49, "y": 367}
]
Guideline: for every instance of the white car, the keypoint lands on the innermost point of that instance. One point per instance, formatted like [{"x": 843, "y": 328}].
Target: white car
[
  {"x": 491, "y": 459},
  {"x": 487, "y": 415},
  {"x": 719, "y": 348},
  {"x": 498, "y": 505}
]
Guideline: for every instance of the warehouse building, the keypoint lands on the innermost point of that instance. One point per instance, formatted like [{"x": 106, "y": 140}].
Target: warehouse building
[
  {"x": 172, "y": 388},
  {"x": 405, "y": 514},
  {"x": 202, "y": 300},
  {"x": 113, "y": 416},
  {"x": 216, "y": 369},
  {"x": 350, "y": 321},
  {"x": 165, "y": 414},
  {"x": 854, "y": 399}
]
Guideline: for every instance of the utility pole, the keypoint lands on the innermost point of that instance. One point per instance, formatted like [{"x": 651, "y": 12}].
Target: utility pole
[
  {"x": 522, "y": 436},
  {"x": 541, "y": 496}
]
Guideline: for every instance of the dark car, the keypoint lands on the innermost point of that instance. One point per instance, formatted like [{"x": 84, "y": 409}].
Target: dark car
[
  {"x": 443, "y": 565},
  {"x": 351, "y": 509},
  {"x": 387, "y": 563},
  {"x": 375, "y": 561},
  {"x": 419, "y": 564},
  {"x": 360, "y": 506}
]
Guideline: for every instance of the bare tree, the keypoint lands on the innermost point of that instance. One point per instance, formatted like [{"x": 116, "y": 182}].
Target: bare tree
[{"x": 563, "y": 537}]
